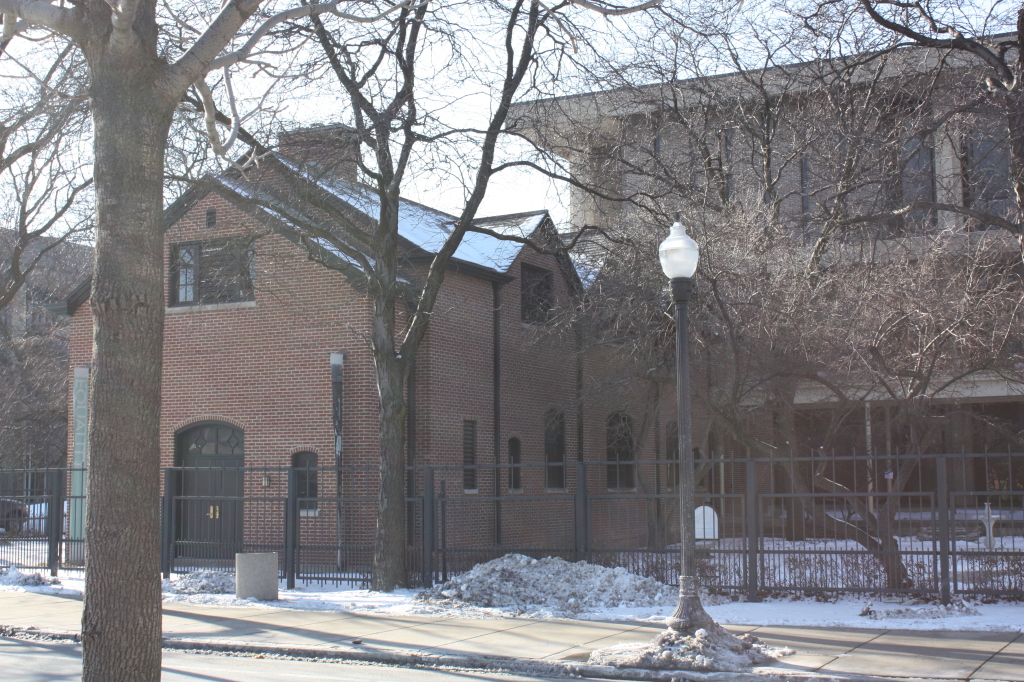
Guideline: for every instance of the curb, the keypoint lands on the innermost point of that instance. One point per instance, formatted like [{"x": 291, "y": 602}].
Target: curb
[{"x": 494, "y": 663}]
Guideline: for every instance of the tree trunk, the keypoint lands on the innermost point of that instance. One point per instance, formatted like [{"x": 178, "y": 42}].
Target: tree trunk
[
  {"x": 390, "y": 568},
  {"x": 885, "y": 549},
  {"x": 1015, "y": 125},
  {"x": 121, "y": 624}
]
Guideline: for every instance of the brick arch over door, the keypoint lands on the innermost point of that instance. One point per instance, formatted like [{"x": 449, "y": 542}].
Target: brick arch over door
[{"x": 209, "y": 457}]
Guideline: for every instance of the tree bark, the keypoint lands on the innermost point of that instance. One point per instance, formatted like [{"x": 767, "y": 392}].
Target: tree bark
[
  {"x": 1015, "y": 126},
  {"x": 390, "y": 568},
  {"x": 121, "y": 624}
]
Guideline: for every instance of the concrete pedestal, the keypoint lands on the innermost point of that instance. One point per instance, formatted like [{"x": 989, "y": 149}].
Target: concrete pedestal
[{"x": 256, "y": 576}]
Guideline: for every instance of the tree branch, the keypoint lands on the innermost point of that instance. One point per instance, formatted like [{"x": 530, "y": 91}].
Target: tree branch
[{"x": 37, "y": 13}]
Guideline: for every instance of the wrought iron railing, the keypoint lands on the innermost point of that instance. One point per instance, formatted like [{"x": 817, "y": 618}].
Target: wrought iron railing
[{"x": 806, "y": 524}]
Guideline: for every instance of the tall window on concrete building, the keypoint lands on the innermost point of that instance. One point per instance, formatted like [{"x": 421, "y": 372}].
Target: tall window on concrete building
[
  {"x": 469, "y": 455},
  {"x": 910, "y": 178},
  {"x": 515, "y": 458},
  {"x": 621, "y": 452},
  {"x": 305, "y": 466},
  {"x": 806, "y": 203},
  {"x": 554, "y": 449},
  {"x": 987, "y": 185},
  {"x": 918, "y": 180}
]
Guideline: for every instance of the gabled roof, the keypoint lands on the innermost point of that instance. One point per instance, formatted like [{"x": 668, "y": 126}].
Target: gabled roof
[
  {"x": 422, "y": 230},
  {"x": 425, "y": 229}
]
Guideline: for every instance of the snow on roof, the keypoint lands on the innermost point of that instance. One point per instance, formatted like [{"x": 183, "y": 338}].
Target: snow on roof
[
  {"x": 428, "y": 228},
  {"x": 494, "y": 253},
  {"x": 276, "y": 208}
]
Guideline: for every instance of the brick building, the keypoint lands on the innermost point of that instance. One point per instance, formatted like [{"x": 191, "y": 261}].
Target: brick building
[{"x": 267, "y": 368}]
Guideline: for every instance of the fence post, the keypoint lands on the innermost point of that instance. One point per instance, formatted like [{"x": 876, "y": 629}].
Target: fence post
[
  {"x": 291, "y": 527},
  {"x": 942, "y": 494},
  {"x": 428, "y": 527},
  {"x": 54, "y": 518},
  {"x": 582, "y": 517},
  {"x": 753, "y": 530},
  {"x": 166, "y": 525}
]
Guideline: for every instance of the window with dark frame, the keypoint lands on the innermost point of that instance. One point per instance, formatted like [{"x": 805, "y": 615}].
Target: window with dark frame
[
  {"x": 725, "y": 144},
  {"x": 621, "y": 452},
  {"x": 672, "y": 455},
  {"x": 515, "y": 459},
  {"x": 910, "y": 177},
  {"x": 305, "y": 464},
  {"x": 211, "y": 218},
  {"x": 918, "y": 179},
  {"x": 554, "y": 450},
  {"x": 469, "y": 454},
  {"x": 537, "y": 297},
  {"x": 215, "y": 271},
  {"x": 806, "y": 204},
  {"x": 986, "y": 167},
  {"x": 186, "y": 258}
]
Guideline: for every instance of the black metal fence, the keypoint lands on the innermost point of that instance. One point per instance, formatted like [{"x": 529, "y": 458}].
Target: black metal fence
[{"x": 953, "y": 524}]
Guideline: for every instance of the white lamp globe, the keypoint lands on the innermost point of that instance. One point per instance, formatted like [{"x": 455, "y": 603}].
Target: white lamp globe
[{"x": 678, "y": 253}]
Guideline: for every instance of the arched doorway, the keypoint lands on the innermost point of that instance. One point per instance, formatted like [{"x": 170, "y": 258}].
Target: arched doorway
[{"x": 210, "y": 508}]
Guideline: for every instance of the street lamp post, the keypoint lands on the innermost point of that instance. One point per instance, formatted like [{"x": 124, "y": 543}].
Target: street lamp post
[{"x": 679, "y": 255}]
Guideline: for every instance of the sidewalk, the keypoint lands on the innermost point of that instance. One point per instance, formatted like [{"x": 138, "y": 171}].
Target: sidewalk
[{"x": 820, "y": 653}]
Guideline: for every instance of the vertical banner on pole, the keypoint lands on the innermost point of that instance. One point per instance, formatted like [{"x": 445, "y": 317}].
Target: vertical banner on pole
[
  {"x": 79, "y": 461},
  {"x": 337, "y": 403}
]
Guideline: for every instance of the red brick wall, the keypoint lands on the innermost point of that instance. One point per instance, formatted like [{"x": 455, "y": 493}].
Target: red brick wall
[{"x": 264, "y": 367}]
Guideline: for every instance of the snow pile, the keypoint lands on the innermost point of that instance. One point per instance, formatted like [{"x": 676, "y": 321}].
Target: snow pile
[
  {"x": 919, "y": 609},
  {"x": 712, "y": 649},
  {"x": 12, "y": 577},
  {"x": 202, "y": 582},
  {"x": 549, "y": 586}
]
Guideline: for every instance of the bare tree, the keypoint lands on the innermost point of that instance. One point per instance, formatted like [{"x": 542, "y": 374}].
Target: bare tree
[
  {"x": 389, "y": 79},
  {"x": 142, "y": 58},
  {"x": 833, "y": 261},
  {"x": 980, "y": 43},
  {"x": 34, "y": 349},
  {"x": 42, "y": 180},
  {"x": 44, "y": 185}
]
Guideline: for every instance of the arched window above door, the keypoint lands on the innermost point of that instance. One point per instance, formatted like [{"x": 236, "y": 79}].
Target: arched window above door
[{"x": 211, "y": 440}]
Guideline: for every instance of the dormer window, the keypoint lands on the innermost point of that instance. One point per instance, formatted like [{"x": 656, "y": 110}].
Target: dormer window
[
  {"x": 537, "y": 298},
  {"x": 215, "y": 271}
]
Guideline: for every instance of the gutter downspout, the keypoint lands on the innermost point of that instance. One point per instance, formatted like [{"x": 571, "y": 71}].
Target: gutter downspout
[
  {"x": 410, "y": 447},
  {"x": 496, "y": 420},
  {"x": 337, "y": 403}
]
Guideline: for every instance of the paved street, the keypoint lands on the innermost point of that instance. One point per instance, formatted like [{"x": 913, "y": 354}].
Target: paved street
[
  {"x": 23, "y": 661},
  {"x": 896, "y": 653}
]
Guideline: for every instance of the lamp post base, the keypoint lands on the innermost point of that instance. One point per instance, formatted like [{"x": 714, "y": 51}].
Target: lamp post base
[{"x": 689, "y": 615}]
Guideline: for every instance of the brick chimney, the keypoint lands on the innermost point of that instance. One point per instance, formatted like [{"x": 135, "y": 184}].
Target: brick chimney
[{"x": 334, "y": 148}]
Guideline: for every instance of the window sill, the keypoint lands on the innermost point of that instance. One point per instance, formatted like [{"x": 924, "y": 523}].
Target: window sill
[
  {"x": 208, "y": 307},
  {"x": 621, "y": 490},
  {"x": 554, "y": 490},
  {"x": 470, "y": 491},
  {"x": 309, "y": 512}
]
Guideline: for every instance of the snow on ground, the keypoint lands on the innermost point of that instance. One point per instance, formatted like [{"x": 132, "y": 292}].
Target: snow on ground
[
  {"x": 548, "y": 588},
  {"x": 712, "y": 649},
  {"x": 201, "y": 582},
  {"x": 600, "y": 594},
  {"x": 11, "y": 577}
]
